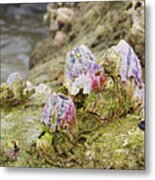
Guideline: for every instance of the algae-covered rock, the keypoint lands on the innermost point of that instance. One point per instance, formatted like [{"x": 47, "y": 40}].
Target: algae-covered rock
[
  {"x": 116, "y": 145},
  {"x": 121, "y": 99},
  {"x": 6, "y": 93},
  {"x": 136, "y": 33},
  {"x": 106, "y": 134},
  {"x": 103, "y": 24}
]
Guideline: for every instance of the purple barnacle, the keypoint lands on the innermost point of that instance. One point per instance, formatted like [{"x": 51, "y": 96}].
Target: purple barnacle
[
  {"x": 82, "y": 74},
  {"x": 130, "y": 65},
  {"x": 13, "y": 77},
  {"x": 59, "y": 110}
]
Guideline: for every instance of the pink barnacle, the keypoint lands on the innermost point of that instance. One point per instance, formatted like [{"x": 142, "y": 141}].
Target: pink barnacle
[{"x": 59, "y": 111}]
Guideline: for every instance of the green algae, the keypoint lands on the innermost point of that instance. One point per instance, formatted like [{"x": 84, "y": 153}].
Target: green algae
[
  {"x": 19, "y": 124},
  {"x": 115, "y": 145}
]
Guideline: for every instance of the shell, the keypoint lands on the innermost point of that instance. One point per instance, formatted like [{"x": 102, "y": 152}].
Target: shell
[
  {"x": 82, "y": 72},
  {"x": 130, "y": 65},
  {"x": 59, "y": 111}
]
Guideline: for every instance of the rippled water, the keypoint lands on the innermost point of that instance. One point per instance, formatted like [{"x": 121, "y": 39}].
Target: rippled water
[{"x": 19, "y": 35}]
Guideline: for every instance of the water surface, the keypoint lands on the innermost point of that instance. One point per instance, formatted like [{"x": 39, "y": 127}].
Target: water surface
[{"x": 21, "y": 28}]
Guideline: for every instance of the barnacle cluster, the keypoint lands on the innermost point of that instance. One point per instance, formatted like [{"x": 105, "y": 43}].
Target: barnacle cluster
[
  {"x": 15, "y": 90},
  {"x": 124, "y": 88},
  {"x": 91, "y": 120},
  {"x": 113, "y": 89},
  {"x": 110, "y": 90}
]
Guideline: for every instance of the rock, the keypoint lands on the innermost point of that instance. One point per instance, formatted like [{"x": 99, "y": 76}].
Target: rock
[
  {"x": 136, "y": 33},
  {"x": 107, "y": 135},
  {"x": 121, "y": 61},
  {"x": 98, "y": 34}
]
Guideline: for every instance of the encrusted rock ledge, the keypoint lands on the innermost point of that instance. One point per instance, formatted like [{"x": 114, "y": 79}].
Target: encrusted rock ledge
[{"x": 106, "y": 134}]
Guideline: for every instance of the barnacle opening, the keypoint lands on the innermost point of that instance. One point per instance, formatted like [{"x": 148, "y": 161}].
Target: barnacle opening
[{"x": 63, "y": 97}]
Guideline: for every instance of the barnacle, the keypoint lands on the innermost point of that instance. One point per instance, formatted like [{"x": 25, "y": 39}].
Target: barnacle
[
  {"x": 58, "y": 118},
  {"x": 12, "y": 78},
  {"x": 15, "y": 90},
  {"x": 82, "y": 72},
  {"x": 130, "y": 65},
  {"x": 57, "y": 17},
  {"x": 121, "y": 61},
  {"x": 58, "y": 112}
]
